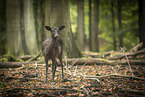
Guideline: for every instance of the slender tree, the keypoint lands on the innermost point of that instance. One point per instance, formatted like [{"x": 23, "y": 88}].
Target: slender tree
[
  {"x": 80, "y": 33},
  {"x": 120, "y": 23},
  {"x": 113, "y": 25},
  {"x": 95, "y": 31},
  {"x": 90, "y": 24},
  {"x": 2, "y": 27},
  {"x": 57, "y": 14},
  {"x": 142, "y": 21},
  {"x": 39, "y": 14},
  {"x": 93, "y": 26}
]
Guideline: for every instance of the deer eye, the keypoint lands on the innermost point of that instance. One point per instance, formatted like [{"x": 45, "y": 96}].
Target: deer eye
[{"x": 53, "y": 31}]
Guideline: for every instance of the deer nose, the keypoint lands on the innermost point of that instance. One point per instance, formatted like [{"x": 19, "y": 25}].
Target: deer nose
[{"x": 56, "y": 35}]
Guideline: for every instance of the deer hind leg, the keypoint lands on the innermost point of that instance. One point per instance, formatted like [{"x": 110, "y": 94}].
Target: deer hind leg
[{"x": 60, "y": 59}]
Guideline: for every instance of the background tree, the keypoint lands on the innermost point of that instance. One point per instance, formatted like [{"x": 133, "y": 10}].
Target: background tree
[
  {"x": 95, "y": 31},
  {"x": 14, "y": 45},
  {"x": 39, "y": 14},
  {"x": 2, "y": 27},
  {"x": 119, "y": 3},
  {"x": 21, "y": 34},
  {"x": 25, "y": 21},
  {"x": 29, "y": 24},
  {"x": 90, "y": 24},
  {"x": 80, "y": 32},
  {"x": 58, "y": 15},
  {"x": 113, "y": 25},
  {"x": 22, "y": 28},
  {"x": 142, "y": 21}
]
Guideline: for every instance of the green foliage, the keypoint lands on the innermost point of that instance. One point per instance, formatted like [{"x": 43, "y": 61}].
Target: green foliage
[
  {"x": 73, "y": 15},
  {"x": 129, "y": 21}
]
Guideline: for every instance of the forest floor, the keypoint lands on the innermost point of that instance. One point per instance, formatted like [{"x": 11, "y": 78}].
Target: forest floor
[
  {"x": 106, "y": 75},
  {"x": 85, "y": 80}
]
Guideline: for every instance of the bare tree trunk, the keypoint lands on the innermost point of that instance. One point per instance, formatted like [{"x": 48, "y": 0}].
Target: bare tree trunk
[
  {"x": 80, "y": 33},
  {"x": 21, "y": 35},
  {"x": 142, "y": 22},
  {"x": 90, "y": 24},
  {"x": 14, "y": 46},
  {"x": 120, "y": 23},
  {"x": 23, "y": 39},
  {"x": 39, "y": 21},
  {"x": 30, "y": 32},
  {"x": 113, "y": 25},
  {"x": 2, "y": 27},
  {"x": 95, "y": 31},
  {"x": 57, "y": 14}
]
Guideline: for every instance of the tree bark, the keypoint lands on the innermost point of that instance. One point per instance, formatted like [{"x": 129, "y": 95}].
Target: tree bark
[
  {"x": 14, "y": 46},
  {"x": 142, "y": 21},
  {"x": 95, "y": 31},
  {"x": 22, "y": 28},
  {"x": 57, "y": 14},
  {"x": 39, "y": 14},
  {"x": 120, "y": 23},
  {"x": 29, "y": 24},
  {"x": 113, "y": 26},
  {"x": 90, "y": 24},
  {"x": 2, "y": 27},
  {"x": 80, "y": 32}
]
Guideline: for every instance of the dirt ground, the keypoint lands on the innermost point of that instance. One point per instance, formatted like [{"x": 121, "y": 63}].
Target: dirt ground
[{"x": 82, "y": 80}]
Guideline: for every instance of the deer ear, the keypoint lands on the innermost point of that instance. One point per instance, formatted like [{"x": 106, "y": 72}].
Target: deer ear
[
  {"x": 48, "y": 28},
  {"x": 61, "y": 27}
]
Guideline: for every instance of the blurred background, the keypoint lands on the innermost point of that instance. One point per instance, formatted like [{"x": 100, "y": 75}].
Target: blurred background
[{"x": 92, "y": 25}]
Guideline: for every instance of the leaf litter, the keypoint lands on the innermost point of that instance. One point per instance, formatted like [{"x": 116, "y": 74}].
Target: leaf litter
[{"x": 86, "y": 80}]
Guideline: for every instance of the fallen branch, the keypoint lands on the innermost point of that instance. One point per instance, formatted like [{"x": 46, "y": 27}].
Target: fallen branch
[
  {"x": 96, "y": 55},
  {"x": 35, "y": 57},
  {"x": 130, "y": 56},
  {"x": 45, "y": 94},
  {"x": 66, "y": 89},
  {"x": 127, "y": 61},
  {"x": 79, "y": 61},
  {"x": 136, "y": 48},
  {"x": 105, "y": 55},
  {"x": 10, "y": 58},
  {"x": 11, "y": 89},
  {"x": 40, "y": 88},
  {"x": 26, "y": 57},
  {"x": 89, "y": 61},
  {"x": 115, "y": 75},
  {"x": 98, "y": 61},
  {"x": 132, "y": 91},
  {"x": 16, "y": 64}
]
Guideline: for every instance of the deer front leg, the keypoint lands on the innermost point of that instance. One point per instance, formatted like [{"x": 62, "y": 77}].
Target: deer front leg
[
  {"x": 53, "y": 68},
  {"x": 46, "y": 62}
]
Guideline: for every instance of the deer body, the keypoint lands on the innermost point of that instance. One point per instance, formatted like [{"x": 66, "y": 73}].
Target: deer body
[{"x": 52, "y": 48}]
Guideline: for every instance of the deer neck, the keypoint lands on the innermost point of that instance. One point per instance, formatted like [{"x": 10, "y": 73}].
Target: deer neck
[{"x": 53, "y": 42}]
